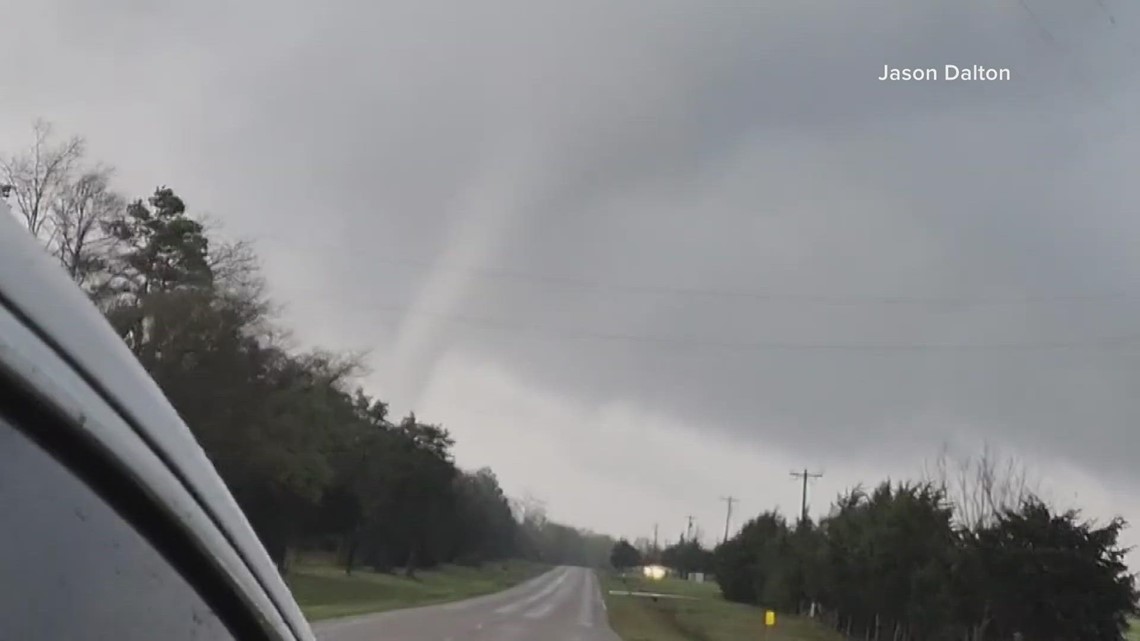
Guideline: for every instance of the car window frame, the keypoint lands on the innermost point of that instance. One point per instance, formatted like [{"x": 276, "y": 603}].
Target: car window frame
[
  {"x": 74, "y": 568},
  {"x": 44, "y": 397}
]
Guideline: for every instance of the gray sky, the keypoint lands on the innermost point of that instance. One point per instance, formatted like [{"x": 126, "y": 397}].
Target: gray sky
[{"x": 639, "y": 255}]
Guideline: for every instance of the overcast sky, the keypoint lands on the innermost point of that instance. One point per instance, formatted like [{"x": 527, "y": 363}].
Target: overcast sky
[{"x": 641, "y": 255}]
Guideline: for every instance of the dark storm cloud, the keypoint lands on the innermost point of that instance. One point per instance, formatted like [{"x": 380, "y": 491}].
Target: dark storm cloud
[{"x": 387, "y": 155}]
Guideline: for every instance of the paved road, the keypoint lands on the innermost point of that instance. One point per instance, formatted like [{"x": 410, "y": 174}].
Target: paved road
[{"x": 564, "y": 604}]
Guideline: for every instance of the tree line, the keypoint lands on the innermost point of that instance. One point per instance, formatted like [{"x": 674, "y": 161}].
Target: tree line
[
  {"x": 685, "y": 557},
  {"x": 313, "y": 459},
  {"x": 971, "y": 555},
  {"x": 968, "y": 553}
]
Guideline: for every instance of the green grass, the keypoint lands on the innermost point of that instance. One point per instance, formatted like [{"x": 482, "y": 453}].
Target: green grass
[
  {"x": 705, "y": 617},
  {"x": 1133, "y": 633},
  {"x": 324, "y": 591}
]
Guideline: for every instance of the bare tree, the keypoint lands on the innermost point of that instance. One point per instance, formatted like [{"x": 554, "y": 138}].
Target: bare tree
[
  {"x": 66, "y": 205},
  {"x": 39, "y": 176},
  {"x": 529, "y": 509},
  {"x": 981, "y": 486},
  {"x": 236, "y": 273},
  {"x": 235, "y": 266},
  {"x": 79, "y": 220}
]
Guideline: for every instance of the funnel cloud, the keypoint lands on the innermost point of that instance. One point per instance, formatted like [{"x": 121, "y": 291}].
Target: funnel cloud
[{"x": 639, "y": 256}]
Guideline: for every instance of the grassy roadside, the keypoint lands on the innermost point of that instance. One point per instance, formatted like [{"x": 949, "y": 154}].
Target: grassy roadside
[
  {"x": 704, "y": 616},
  {"x": 324, "y": 591}
]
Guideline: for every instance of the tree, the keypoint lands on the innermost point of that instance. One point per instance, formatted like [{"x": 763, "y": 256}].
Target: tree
[
  {"x": 426, "y": 491},
  {"x": 687, "y": 556},
  {"x": 485, "y": 528},
  {"x": 267, "y": 418},
  {"x": 1051, "y": 576},
  {"x": 981, "y": 486},
  {"x": 624, "y": 556},
  {"x": 894, "y": 563},
  {"x": 65, "y": 203},
  {"x": 747, "y": 566},
  {"x": 82, "y": 216},
  {"x": 40, "y": 176},
  {"x": 165, "y": 248},
  {"x": 546, "y": 541}
]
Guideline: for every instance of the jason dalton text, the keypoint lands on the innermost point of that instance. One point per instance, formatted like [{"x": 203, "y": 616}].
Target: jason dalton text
[{"x": 946, "y": 73}]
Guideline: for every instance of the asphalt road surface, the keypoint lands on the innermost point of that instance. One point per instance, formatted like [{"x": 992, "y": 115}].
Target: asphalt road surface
[{"x": 565, "y": 604}]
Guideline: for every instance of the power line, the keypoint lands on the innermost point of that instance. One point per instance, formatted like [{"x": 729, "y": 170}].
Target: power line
[
  {"x": 575, "y": 282},
  {"x": 805, "y": 475},
  {"x": 688, "y": 341},
  {"x": 547, "y": 280}
]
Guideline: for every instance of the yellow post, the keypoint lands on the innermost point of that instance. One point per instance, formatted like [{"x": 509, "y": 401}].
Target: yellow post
[{"x": 769, "y": 618}]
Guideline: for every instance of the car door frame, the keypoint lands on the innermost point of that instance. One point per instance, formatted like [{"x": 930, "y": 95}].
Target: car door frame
[{"x": 49, "y": 398}]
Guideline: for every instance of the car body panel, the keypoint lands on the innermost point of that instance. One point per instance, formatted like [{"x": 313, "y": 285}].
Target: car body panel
[{"x": 72, "y": 356}]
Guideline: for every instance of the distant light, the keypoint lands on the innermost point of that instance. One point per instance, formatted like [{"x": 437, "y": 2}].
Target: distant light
[{"x": 655, "y": 572}]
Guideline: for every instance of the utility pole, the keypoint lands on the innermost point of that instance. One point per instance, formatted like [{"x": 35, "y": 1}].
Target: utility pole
[
  {"x": 655, "y": 541},
  {"x": 805, "y": 475},
  {"x": 686, "y": 538},
  {"x": 728, "y": 517}
]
